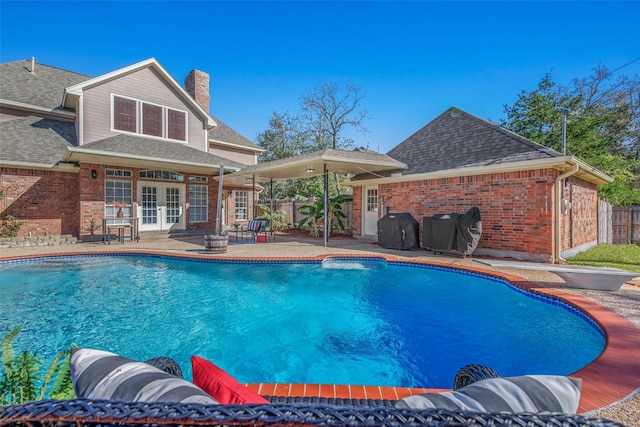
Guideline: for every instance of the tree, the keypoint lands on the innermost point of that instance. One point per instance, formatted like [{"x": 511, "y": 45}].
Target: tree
[
  {"x": 328, "y": 110},
  {"x": 537, "y": 115},
  {"x": 602, "y": 126},
  {"x": 284, "y": 138}
]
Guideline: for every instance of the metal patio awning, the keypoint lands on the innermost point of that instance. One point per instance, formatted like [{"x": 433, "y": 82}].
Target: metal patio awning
[
  {"x": 313, "y": 164},
  {"x": 317, "y": 163}
]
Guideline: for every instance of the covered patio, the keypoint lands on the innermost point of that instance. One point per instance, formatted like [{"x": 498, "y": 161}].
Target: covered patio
[{"x": 319, "y": 163}]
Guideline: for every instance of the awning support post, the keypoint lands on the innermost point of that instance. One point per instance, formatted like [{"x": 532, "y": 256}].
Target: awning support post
[
  {"x": 326, "y": 204},
  {"x": 219, "y": 206},
  {"x": 271, "y": 202}
]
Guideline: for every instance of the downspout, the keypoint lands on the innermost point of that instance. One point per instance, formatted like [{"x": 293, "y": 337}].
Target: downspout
[{"x": 558, "y": 237}]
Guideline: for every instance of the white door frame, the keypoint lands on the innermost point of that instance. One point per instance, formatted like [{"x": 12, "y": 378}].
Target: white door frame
[
  {"x": 163, "y": 209},
  {"x": 370, "y": 210}
]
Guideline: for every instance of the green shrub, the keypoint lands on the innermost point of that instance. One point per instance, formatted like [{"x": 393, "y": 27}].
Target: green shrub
[
  {"x": 23, "y": 379},
  {"x": 276, "y": 218},
  {"x": 9, "y": 226}
]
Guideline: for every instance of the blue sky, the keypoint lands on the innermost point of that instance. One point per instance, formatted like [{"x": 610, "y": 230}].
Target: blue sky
[{"x": 411, "y": 60}]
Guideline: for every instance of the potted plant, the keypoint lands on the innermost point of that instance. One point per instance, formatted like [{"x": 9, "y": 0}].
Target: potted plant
[{"x": 119, "y": 205}]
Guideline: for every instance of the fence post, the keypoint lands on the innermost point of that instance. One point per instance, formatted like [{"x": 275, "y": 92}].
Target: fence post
[
  {"x": 605, "y": 234},
  {"x": 635, "y": 225}
]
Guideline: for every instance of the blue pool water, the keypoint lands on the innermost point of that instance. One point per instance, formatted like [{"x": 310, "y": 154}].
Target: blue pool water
[{"x": 344, "y": 322}]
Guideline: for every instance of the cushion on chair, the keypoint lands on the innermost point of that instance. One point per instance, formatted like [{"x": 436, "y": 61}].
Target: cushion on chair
[
  {"x": 530, "y": 393},
  {"x": 222, "y": 386},
  {"x": 100, "y": 374}
]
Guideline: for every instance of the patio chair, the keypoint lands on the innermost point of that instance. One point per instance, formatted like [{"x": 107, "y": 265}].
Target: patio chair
[{"x": 255, "y": 228}]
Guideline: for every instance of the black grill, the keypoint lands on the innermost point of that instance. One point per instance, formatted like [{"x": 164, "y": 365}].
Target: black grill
[
  {"x": 398, "y": 231},
  {"x": 453, "y": 232}
]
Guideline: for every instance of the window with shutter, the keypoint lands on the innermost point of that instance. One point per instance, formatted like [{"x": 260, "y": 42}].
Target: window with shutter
[
  {"x": 176, "y": 125},
  {"x": 152, "y": 120},
  {"x": 135, "y": 116},
  {"x": 124, "y": 114}
]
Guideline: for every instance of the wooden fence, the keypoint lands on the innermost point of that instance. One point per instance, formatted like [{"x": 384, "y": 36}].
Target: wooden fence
[
  {"x": 289, "y": 208},
  {"x": 618, "y": 225}
]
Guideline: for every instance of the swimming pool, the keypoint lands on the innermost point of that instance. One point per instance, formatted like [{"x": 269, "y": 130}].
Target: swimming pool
[{"x": 355, "y": 322}]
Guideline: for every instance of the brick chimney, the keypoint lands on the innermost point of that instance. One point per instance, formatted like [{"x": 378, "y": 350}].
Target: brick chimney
[{"x": 197, "y": 85}]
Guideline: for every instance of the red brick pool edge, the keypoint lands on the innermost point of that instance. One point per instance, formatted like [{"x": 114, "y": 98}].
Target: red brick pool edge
[{"x": 611, "y": 377}]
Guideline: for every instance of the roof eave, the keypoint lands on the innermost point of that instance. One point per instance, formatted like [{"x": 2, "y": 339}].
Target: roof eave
[
  {"x": 58, "y": 166},
  {"x": 561, "y": 163},
  {"x": 238, "y": 146},
  {"x": 52, "y": 112},
  {"x": 77, "y": 154}
]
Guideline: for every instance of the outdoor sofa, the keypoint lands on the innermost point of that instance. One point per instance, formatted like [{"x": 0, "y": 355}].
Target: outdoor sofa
[{"x": 95, "y": 373}]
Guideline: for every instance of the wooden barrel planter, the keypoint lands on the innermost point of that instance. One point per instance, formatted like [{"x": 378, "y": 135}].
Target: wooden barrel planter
[{"x": 216, "y": 243}]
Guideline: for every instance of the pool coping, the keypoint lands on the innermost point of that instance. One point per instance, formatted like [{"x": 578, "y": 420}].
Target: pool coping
[{"x": 612, "y": 377}]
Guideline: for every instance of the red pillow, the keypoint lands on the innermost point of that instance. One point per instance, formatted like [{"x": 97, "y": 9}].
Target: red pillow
[{"x": 220, "y": 385}]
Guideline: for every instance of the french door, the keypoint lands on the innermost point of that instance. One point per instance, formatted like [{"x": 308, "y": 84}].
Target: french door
[{"x": 161, "y": 206}]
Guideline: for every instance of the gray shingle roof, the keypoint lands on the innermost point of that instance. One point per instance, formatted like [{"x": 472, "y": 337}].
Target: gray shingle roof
[
  {"x": 457, "y": 139},
  {"x": 224, "y": 133},
  {"x": 43, "y": 89},
  {"x": 156, "y": 149},
  {"x": 36, "y": 140}
]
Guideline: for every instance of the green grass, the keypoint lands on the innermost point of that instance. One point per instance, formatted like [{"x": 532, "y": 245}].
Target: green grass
[{"x": 624, "y": 257}]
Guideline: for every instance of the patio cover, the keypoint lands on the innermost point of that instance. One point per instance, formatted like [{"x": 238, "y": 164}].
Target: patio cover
[
  {"x": 317, "y": 163},
  {"x": 313, "y": 164}
]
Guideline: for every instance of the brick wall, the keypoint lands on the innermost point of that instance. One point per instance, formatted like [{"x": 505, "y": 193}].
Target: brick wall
[
  {"x": 92, "y": 198},
  {"x": 356, "y": 221},
  {"x": 580, "y": 223},
  {"x": 45, "y": 201},
  {"x": 516, "y": 207}
]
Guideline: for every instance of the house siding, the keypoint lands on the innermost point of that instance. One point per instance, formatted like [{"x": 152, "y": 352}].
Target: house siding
[
  {"x": 145, "y": 85},
  {"x": 46, "y": 202},
  {"x": 241, "y": 156}
]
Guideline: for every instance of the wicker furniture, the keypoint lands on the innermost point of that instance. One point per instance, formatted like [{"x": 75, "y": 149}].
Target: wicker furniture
[
  {"x": 294, "y": 411},
  {"x": 90, "y": 413}
]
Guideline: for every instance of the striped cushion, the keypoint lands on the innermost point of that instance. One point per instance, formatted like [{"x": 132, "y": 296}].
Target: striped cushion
[
  {"x": 102, "y": 375},
  {"x": 254, "y": 225},
  {"x": 530, "y": 393}
]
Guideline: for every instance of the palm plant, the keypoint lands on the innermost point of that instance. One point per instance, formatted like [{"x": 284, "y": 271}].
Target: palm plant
[
  {"x": 276, "y": 218},
  {"x": 23, "y": 380},
  {"x": 313, "y": 211}
]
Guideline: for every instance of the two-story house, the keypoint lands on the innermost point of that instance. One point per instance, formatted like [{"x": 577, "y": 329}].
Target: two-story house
[{"x": 74, "y": 149}]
